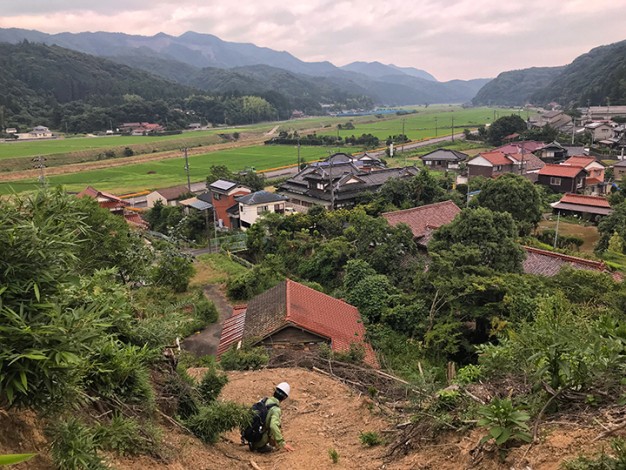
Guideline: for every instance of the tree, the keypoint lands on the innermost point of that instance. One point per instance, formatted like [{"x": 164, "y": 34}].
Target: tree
[
  {"x": 173, "y": 269},
  {"x": 504, "y": 126},
  {"x": 517, "y": 196},
  {"x": 611, "y": 224},
  {"x": 477, "y": 239}
]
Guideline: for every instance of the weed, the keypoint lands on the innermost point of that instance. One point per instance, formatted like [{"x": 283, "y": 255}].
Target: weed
[
  {"x": 211, "y": 385},
  {"x": 74, "y": 446},
  {"x": 244, "y": 358},
  {"x": 602, "y": 461},
  {"x": 468, "y": 374},
  {"x": 126, "y": 436},
  {"x": 334, "y": 455},
  {"x": 370, "y": 439},
  {"x": 505, "y": 423}
]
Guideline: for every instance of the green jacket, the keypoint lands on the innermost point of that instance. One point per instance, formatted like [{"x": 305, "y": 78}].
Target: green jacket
[{"x": 272, "y": 423}]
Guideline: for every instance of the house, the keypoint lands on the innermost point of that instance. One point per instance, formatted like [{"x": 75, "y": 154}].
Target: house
[
  {"x": 115, "y": 205},
  {"x": 140, "y": 128},
  {"x": 619, "y": 170},
  {"x": 549, "y": 263},
  {"x": 552, "y": 153},
  {"x": 167, "y": 196},
  {"x": 588, "y": 207},
  {"x": 490, "y": 164},
  {"x": 444, "y": 159},
  {"x": 602, "y": 112},
  {"x": 594, "y": 183},
  {"x": 556, "y": 119},
  {"x": 364, "y": 162},
  {"x": 424, "y": 220},
  {"x": 563, "y": 178},
  {"x": 599, "y": 130},
  {"x": 295, "y": 317},
  {"x": 222, "y": 194},
  {"x": 252, "y": 206},
  {"x": 38, "y": 132},
  {"x": 335, "y": 185}
]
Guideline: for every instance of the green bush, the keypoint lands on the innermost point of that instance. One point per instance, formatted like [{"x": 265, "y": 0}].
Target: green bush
[
  {"x": 334, "y": 455},
  {"x": 127, "y": 436},
  {"x": 244, "y": 358},
  {"x": 370, "y": 439},
  {"x": 74, "y": 446},
  {"x": 205, "y": 310},
  {"x": 217, "y": 418},
  {"x": 211, "y": 385},
  {"x": 354, "y": 355},
  {"x": 468, "y": 374}
]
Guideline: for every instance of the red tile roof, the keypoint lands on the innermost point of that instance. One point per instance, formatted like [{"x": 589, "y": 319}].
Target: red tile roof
[
  {"x": 516, "y": 147},
  {"x": 549, "y": 263},
  {"x": 496, "y": 158},
  {"x": 293, "y": 304},
  {"x": 562, "y": 171},
  {"x": 135, "y": 219},
  {"x": 595, "y": 201},
  {"x": 593, "y": 181},
  {"x": 581, "y": 161},
  {"x": 424, "y": 219}
]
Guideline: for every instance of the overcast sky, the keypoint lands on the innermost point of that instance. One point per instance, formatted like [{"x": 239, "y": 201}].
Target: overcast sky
[{"x": 447, "y": 38}]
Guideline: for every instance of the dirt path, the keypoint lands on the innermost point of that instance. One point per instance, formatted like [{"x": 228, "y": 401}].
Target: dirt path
[{"x": 205, "y": 342}]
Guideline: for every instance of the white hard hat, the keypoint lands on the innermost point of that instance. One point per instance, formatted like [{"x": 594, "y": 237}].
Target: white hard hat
[{"x": 284, "y": 387}]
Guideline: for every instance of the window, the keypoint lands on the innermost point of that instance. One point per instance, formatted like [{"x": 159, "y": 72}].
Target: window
[
  {"x": 499, "y": 168},
  {"x": 579, "y": 183},
  {"x": 217, "y": 196},
  {"x": 261, "y": 209},
  {"x": 320, "y": 186},
  {"x": 278, "y": 207},
  {"x": 555, "y": 181}
]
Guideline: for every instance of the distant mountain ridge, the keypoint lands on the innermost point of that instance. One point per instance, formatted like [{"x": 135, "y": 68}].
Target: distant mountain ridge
[
  {"x": 597, "y": 77},
  {"x": 207, "y": 62}
]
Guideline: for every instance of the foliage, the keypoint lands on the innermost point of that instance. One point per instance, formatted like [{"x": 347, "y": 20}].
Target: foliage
[
  {"x": 566, "y": 242},
  {"x": 504, "y": 126},
  {"x": 611, "y": 224},
  {"x": 334, "y": 455},
  {"x": 603, "y": 461},
  {"x": 217, "y": 418},
  {"x": 251, "y": 179},
  {"x": 74, "y": 446},
  {"x": 354, "y": 355},
  {"x": 256, "y": 280},
  {"x": 478, "y": 238},
  {"x": 211, "y": 385},
  {"x": 173, "y": 269},
  {"x": 468, "y": 374},
  {"x": 15, "y": 458},
  {"x": 517, "y": 196},
  {"x": 515, "y": 87},
  {"x": 505, "y": 423},
  {"x": 370, "y": 438},
  {"x": 245, "y": 358},
  {"x": 126, "y": 436}
]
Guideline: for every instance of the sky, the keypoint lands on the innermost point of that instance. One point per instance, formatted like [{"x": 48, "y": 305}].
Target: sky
[{"x": 451, "y": 39}]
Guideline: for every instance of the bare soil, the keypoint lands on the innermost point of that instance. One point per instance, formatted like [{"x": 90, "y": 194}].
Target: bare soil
[{"x": 322, "y": 414}]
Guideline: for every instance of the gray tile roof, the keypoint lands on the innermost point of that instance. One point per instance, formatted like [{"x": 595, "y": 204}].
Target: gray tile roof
[
  {"x": 223, "y": 185},
  {"x": 445, "y": 154},
  {"x": 260, "y": 197}
]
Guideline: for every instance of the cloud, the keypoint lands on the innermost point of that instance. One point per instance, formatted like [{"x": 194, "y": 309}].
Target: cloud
[{"x": 452, "y": 39}]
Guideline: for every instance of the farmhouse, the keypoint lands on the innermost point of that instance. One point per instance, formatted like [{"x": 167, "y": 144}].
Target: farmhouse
[
  {"x": 563, "y": 178},
  {"x": 444, "y": 159},
  {"x": 115, "y": 205},
  {"x": 495, "y": 163},
  {"x": 424, "y": 220},
  {"x": 335, "y": 185},
  {"x": 167, "y": 196},
  {"x": 594, "y": 183},
  {"x": 296, "y": 317},
  {"x": 588, "y": 207}
]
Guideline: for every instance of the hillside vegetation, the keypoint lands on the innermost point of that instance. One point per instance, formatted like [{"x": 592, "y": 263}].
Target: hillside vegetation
[{"x": 597, "y": 78}]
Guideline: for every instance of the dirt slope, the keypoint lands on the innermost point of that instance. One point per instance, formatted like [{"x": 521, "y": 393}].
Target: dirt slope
[{"x": 321, "y": 414}]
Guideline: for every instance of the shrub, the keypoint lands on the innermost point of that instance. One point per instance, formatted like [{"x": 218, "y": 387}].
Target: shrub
[
  {"x": 370, "y": 439},
  {"x": 128, "y": 152},
  {"x": 244, "y": 358},
  {"x": 126, "y": 436},
  {"x": 468, "y": 374},
  {"x": 74, "y": 446},
  {"x": 205, "y": 310},
  {"x": 216, "y": 418},
  {"x": 211, "y": 385}
]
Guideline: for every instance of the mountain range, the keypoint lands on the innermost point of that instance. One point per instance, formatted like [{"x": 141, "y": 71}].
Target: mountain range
[
  {"x": 206, "y": 62},
  {"x": 596, "y": 78}
]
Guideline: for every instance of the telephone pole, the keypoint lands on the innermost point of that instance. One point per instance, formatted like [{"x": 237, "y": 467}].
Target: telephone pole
[
  {"x": 187, "y": 168},
  {"x": 452, "y": 128}
]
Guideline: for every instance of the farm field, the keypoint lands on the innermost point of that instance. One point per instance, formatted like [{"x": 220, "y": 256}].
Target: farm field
[
  {"x": 434, "y": 121},
  {"x": 588, "y": 233},
  {"x": 171, "y": 172}
]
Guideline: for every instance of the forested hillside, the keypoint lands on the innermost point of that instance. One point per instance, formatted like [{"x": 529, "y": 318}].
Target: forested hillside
[
  {"x": 597, "y": 78},
  {"x": 516, "y": 87}
]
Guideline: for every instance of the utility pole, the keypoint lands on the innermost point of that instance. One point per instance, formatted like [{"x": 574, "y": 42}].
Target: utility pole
[
  {"x": 298, "y": 153},
  {"x": 187, "y": 168},
  {"x": 556, "y": 232},
  {"x": 403, "y": 135},
  {"x": 435, "y": 126},
  {"x": 453, "y": 128},
  {"x": 40, "y": 163},
  {"x": 332, "y": 191},
  {"x": 521, "y": 166}
]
